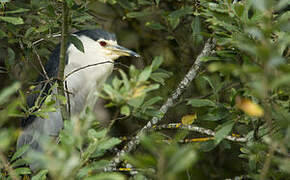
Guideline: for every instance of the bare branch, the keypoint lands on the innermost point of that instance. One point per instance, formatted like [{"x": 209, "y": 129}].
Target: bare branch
[
  {"x": 42, "y": 39},
  {"x": 62, "y": 58},
  {"x": 68, "y": 98},
  {"x": 40, "y": 62},
  {"x": 191, "y": 74},
  {"x": 194, "y": 128},
  {"x": 84, "y": 67}
]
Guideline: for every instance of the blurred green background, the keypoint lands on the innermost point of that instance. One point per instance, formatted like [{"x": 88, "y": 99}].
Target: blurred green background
[{"x": 244, "y": 85}]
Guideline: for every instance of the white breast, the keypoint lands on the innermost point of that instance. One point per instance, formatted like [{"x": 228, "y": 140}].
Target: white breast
[{"x": 88, "y": 80}]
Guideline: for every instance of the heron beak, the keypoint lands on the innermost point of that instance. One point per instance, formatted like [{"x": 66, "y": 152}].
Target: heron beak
[{"x": 122, "y": 51}]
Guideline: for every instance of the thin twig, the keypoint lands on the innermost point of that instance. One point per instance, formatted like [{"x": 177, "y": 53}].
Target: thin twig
[
  {"x": 192, "y": 73},
  {"x": 42, "y": 39},
  {"x": 22, "y": 48},
  {"x": 114, "y": 119},
  {"x": 123, "y": 65},
  {"x": 68, "y": 98},
  {"x": 223, "y": 89},
  {"x": 40, "y": 62},
  {"x": 267, "y": 162},
  {"x": 38, "y": 100},
  {"x": 200, "y": 130},
  {"x": 96, "y": 16},
  {"x": 8, "y": 167},
  {"x": 84, "y": 67}
]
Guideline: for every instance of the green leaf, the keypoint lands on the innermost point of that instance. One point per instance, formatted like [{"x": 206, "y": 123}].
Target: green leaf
[
  {"x": 182, "y": 12},
  {"x": 161, "y": 75},
  {"x": 155, "y": 77},
  {"x": 125, "y": 80},
  {"x": 105, "y": 145},
  {"x": 20, "y": 10},
  {"x": 157, "y": 2},
  {"x": 174, "y": 17},
  {"x": 145, "y": 74},
  {"x": 223, "y": 132},
  {"x": 196, "y": 30},
  {"x": 70, "y": 3},
  {"x": 209, "y": 58},
  {"x": 97, "y": 135},
  {"x": 209, "y": 82},
  {"x": 9, "y": 62},
  {"x": 139, "y": 14},
  {"x": 212, "y": 117},
  {"x": 126, "y": 4},
  {"x": 41, "y": 175},
  {"x": 76, "y": 42},
  {"x": 195, "y": 26},
  {"x": 151, "y": 87},
  {"x": 22, "y": 171},
  {"x": 125, "y": 110},
  {"x": 200, "y": 102},
  {"x": 109, "y": 90},
  {"x": 183, "y": 159},
  {"x": 19, "y": 152},
  {"x": 116, "y": 82},
  {"x": 12, "y": 20},
  {"x": 18, "y": 162},
  {"x": 107, "y": 176},
  {"x": 136, "y": 102},
  {"x": 153, "y": 113},
  {"x": 89, "y": 151},
  {"x": 174, "y": 22},
  {"x": 260, "y": 4},
  {"x": 144, "y": 2},
  {"x": 29, "y": 31},
  {"x": 2, "y": 34},
  {"x": 7, "y": 92},
  {"x": 108, "y": 144},
  {"x": 239, "y": 9},
  {"x": 95, "y": 165},
  {"x": 282, "y": 80},
  {"x": 155, "y": 26},
  {"x": 156, "y": 62},
  {"x": 152, "y": 101}
]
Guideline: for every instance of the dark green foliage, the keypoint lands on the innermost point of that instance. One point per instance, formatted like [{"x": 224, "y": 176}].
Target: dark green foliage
[{"x": 242, "y": 89}]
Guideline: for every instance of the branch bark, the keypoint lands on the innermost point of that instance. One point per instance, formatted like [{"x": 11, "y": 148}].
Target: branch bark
[
  {"x": 200, "y": 130},
  {"x": 191, "y": 74},
  {"x": 62, "y": 58},
  {"x": 87, "y": 66}
]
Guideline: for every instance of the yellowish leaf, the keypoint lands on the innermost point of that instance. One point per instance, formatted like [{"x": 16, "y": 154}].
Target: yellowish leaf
[
  {"x": 188, "y": 119},
  {"x": 249, "y": 107},
  {"x": 139, "y": 91},
  {"x": 31, "y": 87}
]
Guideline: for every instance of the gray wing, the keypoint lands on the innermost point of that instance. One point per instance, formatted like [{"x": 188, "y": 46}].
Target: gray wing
[
  {"x": 38, "y": 130},
  {"x": 35, "y": 128}
]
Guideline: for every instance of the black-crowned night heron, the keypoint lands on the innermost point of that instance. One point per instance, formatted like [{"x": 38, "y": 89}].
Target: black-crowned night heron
[{"x": 99, "y": 46}]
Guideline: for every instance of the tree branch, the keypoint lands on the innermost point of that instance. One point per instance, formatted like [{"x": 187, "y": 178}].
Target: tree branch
[
  {"x": 200, "y": 130},
  {"x": 42, "y": 39},
  {"x": 62, "y": 58},
  {"x": 84, "y": 67},
  {"x": 191, "y": 74},
  {"x": 40, "y": 62}
]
